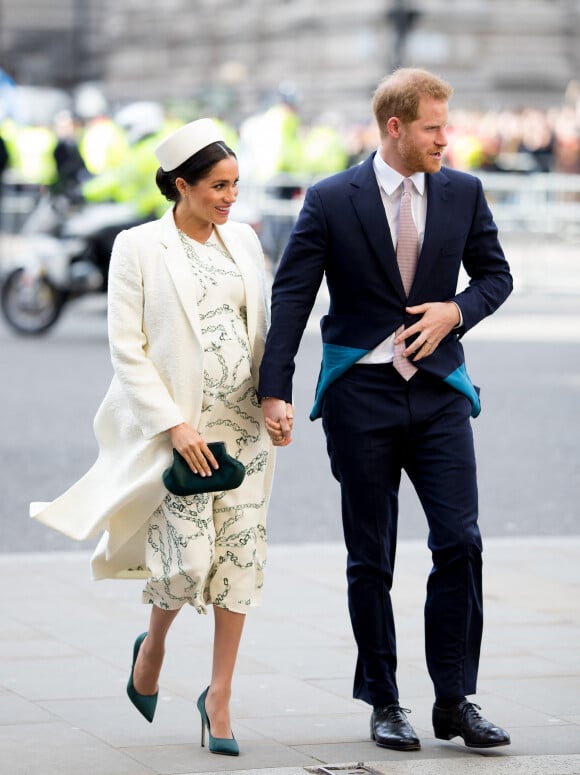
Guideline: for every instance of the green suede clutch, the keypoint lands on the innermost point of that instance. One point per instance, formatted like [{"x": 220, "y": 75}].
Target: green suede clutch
[{"x": 181, "y": 480}]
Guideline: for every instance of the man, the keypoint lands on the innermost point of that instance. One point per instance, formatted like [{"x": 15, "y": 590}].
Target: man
[{"x": 393, "y": 391}]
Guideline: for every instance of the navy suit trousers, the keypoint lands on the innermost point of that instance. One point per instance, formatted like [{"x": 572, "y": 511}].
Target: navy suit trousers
[{"x": 376, "y": 426}]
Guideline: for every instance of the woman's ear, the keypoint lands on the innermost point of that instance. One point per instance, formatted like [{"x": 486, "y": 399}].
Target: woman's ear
[{"x": 181, "y": 185}]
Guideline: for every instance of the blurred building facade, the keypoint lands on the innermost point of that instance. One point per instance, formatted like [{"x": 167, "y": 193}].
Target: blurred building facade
[
  {"x": 230, "y": 57},
  {"x": 57, "y": 43}
]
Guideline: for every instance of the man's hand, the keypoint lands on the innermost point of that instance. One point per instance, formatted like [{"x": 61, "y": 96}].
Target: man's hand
[
  {"x": 438, "y": 319},
  {"x": 279, "y": 419}
]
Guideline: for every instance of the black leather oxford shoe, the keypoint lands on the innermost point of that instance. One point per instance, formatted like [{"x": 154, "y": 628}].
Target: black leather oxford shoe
[
  {"x": 390, "y": 729},
  {"x": 464, "y": 720}
]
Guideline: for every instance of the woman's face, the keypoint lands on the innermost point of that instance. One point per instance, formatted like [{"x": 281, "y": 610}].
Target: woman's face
[{"x": 210, "y": 199}]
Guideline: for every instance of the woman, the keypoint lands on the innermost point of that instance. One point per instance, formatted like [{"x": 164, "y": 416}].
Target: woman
[{"x": 187, "y": 323}]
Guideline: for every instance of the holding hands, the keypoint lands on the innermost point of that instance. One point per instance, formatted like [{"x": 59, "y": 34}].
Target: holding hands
[{"x": 279, "y": 417}]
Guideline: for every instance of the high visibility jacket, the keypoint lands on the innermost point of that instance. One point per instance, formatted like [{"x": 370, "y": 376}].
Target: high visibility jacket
[
  {"x": 323, "y": 151},
  {"x": 103, "y": 145},
  {"x": 131, "y": 181},
  {"x": 30, "y": 152}
]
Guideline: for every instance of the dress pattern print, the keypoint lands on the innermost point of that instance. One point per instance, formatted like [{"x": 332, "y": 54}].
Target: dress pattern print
[{"x": 211, "y": 547}]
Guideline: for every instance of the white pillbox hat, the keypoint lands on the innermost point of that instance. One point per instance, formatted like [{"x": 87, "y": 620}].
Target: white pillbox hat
[{"x": 186, "y": 141}]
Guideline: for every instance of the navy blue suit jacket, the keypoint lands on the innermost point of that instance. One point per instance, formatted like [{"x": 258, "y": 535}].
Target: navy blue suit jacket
[{"x": 342, "y": 233}]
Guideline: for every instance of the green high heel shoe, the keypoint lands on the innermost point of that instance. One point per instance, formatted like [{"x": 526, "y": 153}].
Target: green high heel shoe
[
  {"x": 145, "y": 703},
  {"x": 225, "y": 745}
]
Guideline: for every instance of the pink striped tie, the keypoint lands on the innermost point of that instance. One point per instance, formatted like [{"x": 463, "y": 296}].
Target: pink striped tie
[{"x": 407, "y": 255}]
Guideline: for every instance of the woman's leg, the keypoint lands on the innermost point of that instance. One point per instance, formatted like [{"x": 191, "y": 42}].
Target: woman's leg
[
  {"x": 152, "y": 651},
  {"x": 227, "y": 636}
]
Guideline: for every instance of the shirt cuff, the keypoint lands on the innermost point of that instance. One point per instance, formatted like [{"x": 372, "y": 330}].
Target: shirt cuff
[{"x": 460, "y": 324}]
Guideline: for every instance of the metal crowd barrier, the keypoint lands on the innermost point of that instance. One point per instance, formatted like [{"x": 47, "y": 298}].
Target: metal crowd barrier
[
  {"x": 540, "y": 203},
  {"x": 545, "y": 204}
]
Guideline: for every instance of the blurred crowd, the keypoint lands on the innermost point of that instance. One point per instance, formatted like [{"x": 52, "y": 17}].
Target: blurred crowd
[
  {"x": 525, "y": 140},
  {"x": 110, "y": 157}
]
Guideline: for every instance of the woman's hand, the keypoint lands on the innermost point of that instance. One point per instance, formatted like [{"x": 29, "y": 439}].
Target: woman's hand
[{"x": 193, "y": 448}]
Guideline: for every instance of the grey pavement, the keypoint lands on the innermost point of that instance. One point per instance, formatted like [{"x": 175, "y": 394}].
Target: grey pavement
[{"x": 65, "y": 651}]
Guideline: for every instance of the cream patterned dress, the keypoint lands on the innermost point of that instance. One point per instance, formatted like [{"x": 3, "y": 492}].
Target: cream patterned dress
[{"x": 211, "y": 548}]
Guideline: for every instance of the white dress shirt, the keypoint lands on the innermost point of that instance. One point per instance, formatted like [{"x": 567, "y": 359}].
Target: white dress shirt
[{"x": 391, "y": 188}]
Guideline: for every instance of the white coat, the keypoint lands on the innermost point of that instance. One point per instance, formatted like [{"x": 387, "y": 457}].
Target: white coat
[{"x": 157, "y": 355}]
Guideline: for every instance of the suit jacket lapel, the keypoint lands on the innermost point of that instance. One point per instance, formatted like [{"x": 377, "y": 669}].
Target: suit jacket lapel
[
  {"x": 184, "y": 280},
  {"x": 179, "y": 269},
  {"x": 437, "y": 226},
  {"x": 367, "y": 202}
]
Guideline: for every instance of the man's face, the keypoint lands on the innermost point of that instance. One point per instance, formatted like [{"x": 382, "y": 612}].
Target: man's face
[{"x": 421, "y": 143}]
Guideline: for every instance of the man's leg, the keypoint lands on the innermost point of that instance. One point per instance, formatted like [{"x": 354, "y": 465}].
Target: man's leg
[
  {"x": 442, "y": 468},
  {"x": 365, "y": 416},
  {"x": 363, "y": 441}
]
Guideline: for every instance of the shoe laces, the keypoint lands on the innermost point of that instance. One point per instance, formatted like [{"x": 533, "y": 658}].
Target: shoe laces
[
  {"x": 397, "y": 713},
  {"x": 471, "y": 709}
]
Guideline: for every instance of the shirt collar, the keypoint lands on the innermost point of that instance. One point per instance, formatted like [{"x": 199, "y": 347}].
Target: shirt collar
[{"x": 390, "y": 180}]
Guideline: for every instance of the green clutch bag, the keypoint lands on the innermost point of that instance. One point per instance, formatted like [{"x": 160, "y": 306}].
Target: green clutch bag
[{"x": 181, "y": 480}]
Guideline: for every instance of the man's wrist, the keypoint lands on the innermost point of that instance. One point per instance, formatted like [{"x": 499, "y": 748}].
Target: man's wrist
[{"x": 458, "y": 308}]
